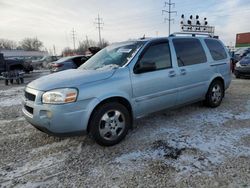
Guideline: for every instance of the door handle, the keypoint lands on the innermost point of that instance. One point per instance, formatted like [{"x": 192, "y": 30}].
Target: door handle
[
  {"x": 183, "y": 71},
  {"x": 172, "y": 74}
]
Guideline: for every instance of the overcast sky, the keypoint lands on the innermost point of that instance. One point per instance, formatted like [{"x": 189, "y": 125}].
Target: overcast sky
[{"x": 52, "y": 21}]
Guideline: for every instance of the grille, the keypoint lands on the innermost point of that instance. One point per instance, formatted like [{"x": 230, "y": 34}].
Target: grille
[
  {"x": 29, "y": 109},
  {"x": 29, "y": 96}
]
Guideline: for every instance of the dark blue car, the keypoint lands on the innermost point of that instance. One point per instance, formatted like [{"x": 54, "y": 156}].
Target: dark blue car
[{"x": 243, "y": 67}]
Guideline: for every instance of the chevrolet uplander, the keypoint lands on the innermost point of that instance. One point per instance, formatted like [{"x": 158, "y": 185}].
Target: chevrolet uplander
[{"x": 125, "y": 81}]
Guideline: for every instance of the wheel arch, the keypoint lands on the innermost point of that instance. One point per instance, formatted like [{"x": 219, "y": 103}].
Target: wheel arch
[
  {"x": 120, "y": 99},
  {"x": 217, "y": 78}
]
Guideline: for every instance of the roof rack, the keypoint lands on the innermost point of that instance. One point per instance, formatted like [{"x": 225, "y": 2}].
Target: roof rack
[{"x": 193, "y": 34}]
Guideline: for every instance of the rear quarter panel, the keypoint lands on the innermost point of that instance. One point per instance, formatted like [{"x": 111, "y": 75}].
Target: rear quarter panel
[{"x": 219, "y": 68}]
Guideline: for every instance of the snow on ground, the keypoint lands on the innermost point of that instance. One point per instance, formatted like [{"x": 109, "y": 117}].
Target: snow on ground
[
  {"x": 11, "y": 97},
  {"x": 190, "y": 142},
  {"x": 33, "y": 166},
  {"x": 202, "y": 141}
]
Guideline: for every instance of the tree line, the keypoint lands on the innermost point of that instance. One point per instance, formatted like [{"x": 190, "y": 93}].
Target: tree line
[
  {"x": 84, "y": 45},
  {"x": 29, "y": 44},
  {"x": 34, "y": 44}
]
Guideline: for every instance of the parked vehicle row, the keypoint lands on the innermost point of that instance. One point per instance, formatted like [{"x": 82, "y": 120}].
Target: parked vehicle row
[
  {"x": 14, "y": 64},
  {"x": 125, "y": 81},
  {"x": 71, "y": 62},
  {"x": 44, "y": 61},
  {"x": 242, "y": 67},
  {"x": 238, "y": 55},
  {"x": 11, "y": 70}
]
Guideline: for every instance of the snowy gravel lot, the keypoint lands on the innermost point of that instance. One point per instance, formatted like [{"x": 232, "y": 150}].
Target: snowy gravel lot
[{"x": 193, "y": 146}]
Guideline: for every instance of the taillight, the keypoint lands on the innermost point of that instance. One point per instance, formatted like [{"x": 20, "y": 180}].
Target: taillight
[{"x": 56, "y": 65}]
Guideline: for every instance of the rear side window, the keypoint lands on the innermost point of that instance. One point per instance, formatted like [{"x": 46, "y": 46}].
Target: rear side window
[
  {"x": 189, "y": 51},
  {"x": 216, "y": 49}
]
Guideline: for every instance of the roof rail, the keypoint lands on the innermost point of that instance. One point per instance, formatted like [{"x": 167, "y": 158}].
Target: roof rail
[{"x": 193, "y": 34}]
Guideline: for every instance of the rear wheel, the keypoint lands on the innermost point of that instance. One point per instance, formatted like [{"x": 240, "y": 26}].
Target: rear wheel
[
  {"x": 110, "y": 123},
  {"x": 215, "y": 94}
]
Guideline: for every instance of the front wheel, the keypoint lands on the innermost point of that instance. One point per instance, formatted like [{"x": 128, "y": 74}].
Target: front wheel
[
  {"x": 109, "y": 123},
  {"x": 215, "y": 94}
]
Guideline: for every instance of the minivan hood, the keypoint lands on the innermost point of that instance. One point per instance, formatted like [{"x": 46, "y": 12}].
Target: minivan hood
[{"x": 69, "y": 78}]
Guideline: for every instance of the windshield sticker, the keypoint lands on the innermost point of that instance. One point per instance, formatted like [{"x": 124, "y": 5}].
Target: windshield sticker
[{"x": 123, "y": 50}]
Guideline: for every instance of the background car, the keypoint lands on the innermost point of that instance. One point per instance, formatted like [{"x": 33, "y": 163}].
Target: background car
[
  {"x": 240, "y": 53},
  {"x": 65, "y": 63},
  {"x": 44, "y": 61},
  {"x": 242, "y": 68}
]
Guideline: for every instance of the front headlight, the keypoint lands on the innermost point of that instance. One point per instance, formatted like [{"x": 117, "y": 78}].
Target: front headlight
[
  {"x": 238, "y": 64},
  {"x": 60, "y": 96}
]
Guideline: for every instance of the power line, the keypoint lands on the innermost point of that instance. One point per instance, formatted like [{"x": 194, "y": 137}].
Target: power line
[
  {"x": 99, "y": 23},
  {"x": 169, "y": 19},
  {"x": 74, "y": 38}
]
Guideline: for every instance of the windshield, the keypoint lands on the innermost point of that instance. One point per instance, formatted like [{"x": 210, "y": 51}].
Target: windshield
[{"x": 113, "y": 56}]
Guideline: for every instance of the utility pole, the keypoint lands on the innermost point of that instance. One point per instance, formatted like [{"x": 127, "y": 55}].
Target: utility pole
[
  {"x": 54, "y": 49},
  {"x": 169, "y": 19},
  {"x": 99, "y": 23},
  {"x": 74, "y": 38},
  {"x": 87, "y": 40}
]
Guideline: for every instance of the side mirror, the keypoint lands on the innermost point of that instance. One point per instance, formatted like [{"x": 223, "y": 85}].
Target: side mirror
[{"x": 142, "y": 67}]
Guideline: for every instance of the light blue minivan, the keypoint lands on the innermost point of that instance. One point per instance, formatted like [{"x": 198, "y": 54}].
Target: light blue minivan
[{"x": 125, "y": 81}]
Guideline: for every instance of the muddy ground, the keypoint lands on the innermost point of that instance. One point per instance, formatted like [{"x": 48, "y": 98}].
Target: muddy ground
[{"x": 192, "y": 146}]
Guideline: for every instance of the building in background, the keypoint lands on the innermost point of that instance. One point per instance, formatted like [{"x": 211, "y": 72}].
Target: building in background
[
  {"x": 242, "y": 40},
  {"x": 23, "y": 54}
]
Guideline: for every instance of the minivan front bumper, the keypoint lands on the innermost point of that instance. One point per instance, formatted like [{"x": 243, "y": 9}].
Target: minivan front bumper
[{"x": 59, "y": 120}]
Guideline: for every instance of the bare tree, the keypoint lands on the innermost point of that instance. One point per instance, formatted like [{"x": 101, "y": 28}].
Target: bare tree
[
  {"x": 67, "y": 51},
  {"x": 85, "y": 45},
  {"x": 104, "y": 43},
  {"x": 6, "y": 44},
  {"x": 31, "y": 44}
]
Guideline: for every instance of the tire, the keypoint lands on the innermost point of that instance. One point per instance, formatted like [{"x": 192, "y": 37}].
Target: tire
[
  {"x": 237, "y": 76},
  {"x": 18, "y": 81},
  {"x": 215, "y": 94},
  {"x": 109, "y": 123},
  {"x": 11, "y": 81}
]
